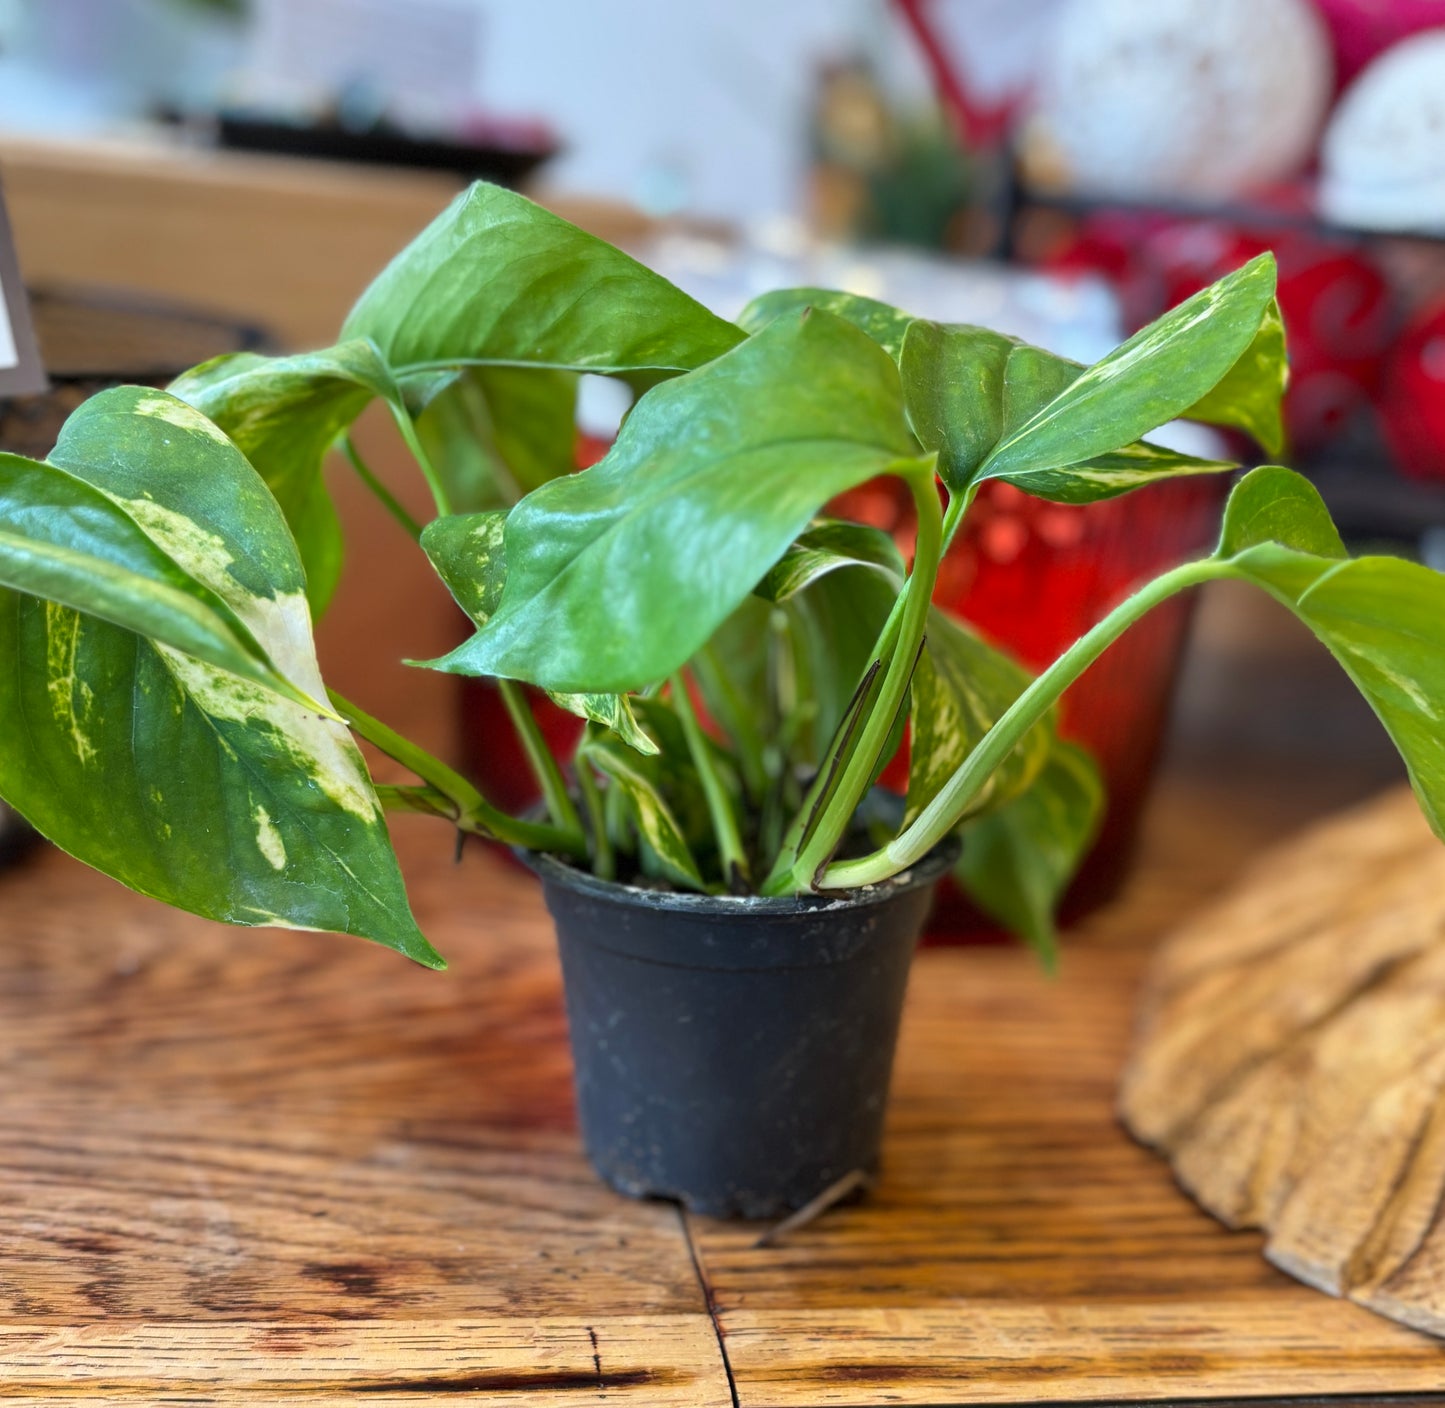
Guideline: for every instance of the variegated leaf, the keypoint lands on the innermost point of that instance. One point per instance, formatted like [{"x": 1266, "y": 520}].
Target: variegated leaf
[
  {"x": 469, "y": 555},
  {"x": 961, "y": 686},
  {"x": 66, "y": 543},
  {"x": 666, "y": 854},
  {"x": 1017, "y": 860},
  {"x": 826, "y": 545},
  {"x": 970, "y": 389},
  {"x": 1382, "y": 618},
  {"x": 180, "y": 779},
  {"x": 1250, "y": 394},
  {"x": 1165, "y": 370},
  {"x": 284, "y": 414}
]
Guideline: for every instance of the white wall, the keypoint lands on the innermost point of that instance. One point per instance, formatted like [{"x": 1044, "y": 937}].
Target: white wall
[{"x": 662, "y": 101}]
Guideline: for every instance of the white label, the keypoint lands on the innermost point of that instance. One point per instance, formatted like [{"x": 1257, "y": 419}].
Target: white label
[{"x": 9, "y": 357}]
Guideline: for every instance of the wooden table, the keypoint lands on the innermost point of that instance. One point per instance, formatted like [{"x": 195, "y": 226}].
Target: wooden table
[{"x": 270, "y": 1168}]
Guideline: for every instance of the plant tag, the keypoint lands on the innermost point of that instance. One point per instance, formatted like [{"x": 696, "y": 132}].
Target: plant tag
[{"x": 21, "y": 371}]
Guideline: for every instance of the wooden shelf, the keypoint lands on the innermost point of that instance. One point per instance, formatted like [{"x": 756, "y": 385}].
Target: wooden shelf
[{"x": 273, "y": 1168}]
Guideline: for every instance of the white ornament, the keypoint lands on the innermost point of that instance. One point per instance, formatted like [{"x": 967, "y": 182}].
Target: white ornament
[
  {"x": 1183, "y": 99},
  {"x": 1384, "y": 152}
]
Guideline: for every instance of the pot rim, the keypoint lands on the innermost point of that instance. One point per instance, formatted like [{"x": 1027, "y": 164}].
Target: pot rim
[{"x": 927, "y": 871}]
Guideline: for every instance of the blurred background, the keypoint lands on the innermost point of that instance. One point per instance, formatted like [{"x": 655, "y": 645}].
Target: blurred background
[{"x": 188, "y": 177}]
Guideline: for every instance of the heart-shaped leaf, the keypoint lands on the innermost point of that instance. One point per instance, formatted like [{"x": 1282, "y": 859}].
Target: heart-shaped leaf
[
  {"x": 66, "y": 543},
  {"x": 495, "y": 278},
  {"x": 469, "y": 555},
  {"x": 616, "y": 576},
  {"x": 1167, "y": 369},
  {"x": 1382, "y": 618},
  {"x": 182, "y": 780},
  {"x": 971, "y": 390},
  {"x": 284, "y": 414}
]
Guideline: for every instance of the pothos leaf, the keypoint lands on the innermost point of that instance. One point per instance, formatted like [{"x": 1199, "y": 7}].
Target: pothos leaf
[
  {"x": 667, "y": 852},
  {"x": 1382, "y": 618},
  {"x": 826, "y": 545},
  {"x": 970, "y": 390},
  {"x": 962, "y": 685},
  {"x": 881, "y": 321},
  {"x": 495, "y": 278},
  {"x": 469, "y": 554},
  {"x": 67, "y": 543},
  {"x": 618, "y": 575},
  {"x": 1017, "y": 860},
  {"x": 1167, "y": 369},
  {"x": 496, "y": 433},
  {"x": 284, "y": 414},
  {"x": 182, "y": 780}
]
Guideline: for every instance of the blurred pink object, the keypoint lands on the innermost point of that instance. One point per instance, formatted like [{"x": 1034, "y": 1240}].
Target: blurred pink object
[{"x": 1360, "y": 29}]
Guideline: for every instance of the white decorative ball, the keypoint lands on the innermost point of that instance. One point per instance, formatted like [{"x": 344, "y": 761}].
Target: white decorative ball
[
  {"x": 1384, "y": 153},
  {"x": 1184, "y": 99}
]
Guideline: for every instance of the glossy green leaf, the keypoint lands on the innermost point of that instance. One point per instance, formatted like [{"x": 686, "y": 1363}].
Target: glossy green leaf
[
  {"x": 882, "y": 322},
  {"x": 960, "y": 688},
  {"x": 970, "y": 390},
  {"x": 496, "y": 433},
  {"x": 618, "y": 575},
  {"x": 284, "y": 414},
  {"x": 1382, "y": 618},
  {"x": 667, "y": 854},
  {"x": 184, "y": 781},
  {"x": 1250, "y": 394},
  {"x": 469, "y": 554},
  {"x": 1018, "y": 859},
  {"x": 65, "y": 542},
  {"x": 833, "y": 629},
  {"x": 827, "y": 545},
  {"x": 1163, "y": 371},
  {"x": 495, "y": 278}
]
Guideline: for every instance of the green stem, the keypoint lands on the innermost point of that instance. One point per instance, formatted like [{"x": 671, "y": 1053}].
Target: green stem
[
  {"x": 719, "y": 805},
  {"x": 472, "y": 811},
  {"x": 857, "y": 774},
  {"x": 389, "y": 501},
  {"x": 604, "y": 863},
  {"x": 951, "y": 804},
  {"x": 539, "y": 757},
  {"x": 840, "y": 746},
  {"x": 407, "y": 426}
]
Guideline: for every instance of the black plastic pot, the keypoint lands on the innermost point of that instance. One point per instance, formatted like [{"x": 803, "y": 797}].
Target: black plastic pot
[{"x": 733, "y": 1054}]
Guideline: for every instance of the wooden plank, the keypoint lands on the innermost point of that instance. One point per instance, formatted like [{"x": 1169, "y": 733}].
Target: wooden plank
[
  {"x": 236, "y": 1163},
  {"x": 1019, "y": 1246}
]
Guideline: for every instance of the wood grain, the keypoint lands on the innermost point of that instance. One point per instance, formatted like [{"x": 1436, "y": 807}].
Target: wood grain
[
  {"x": 1292, "y": 1058},
  {"x": 243, "y": 1167},
  {"x": 240, "y": 1164}
]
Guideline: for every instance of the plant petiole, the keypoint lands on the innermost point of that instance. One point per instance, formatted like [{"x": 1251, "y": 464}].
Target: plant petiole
[{"x": 952, "y": 803}]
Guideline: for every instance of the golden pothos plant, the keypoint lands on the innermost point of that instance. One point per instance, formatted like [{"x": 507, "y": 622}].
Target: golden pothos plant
[{"x": 745, "y": 665}]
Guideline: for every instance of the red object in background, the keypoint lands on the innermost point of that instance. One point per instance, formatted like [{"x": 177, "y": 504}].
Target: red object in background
[
  {"x": 1336, "y": 302},
  {"x": 1033, "y": 577},
  {"x": 1412, "y": 404},
  {"x": 1360, "y": 29}
]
